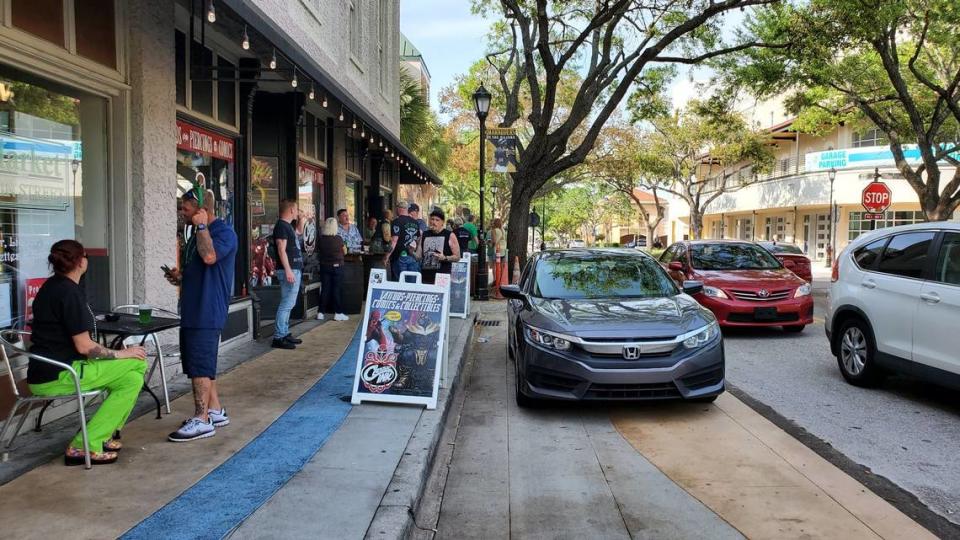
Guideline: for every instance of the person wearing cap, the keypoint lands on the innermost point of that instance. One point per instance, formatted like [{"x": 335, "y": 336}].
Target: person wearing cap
[
  {"x": 414, "y": 211},
  {"x": 206, "y": 283},
  {"x": 404, "y": 244}
]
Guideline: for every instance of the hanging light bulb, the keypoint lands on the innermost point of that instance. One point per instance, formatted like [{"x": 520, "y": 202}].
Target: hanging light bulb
[
  {"x": 371, "y": 138},
  {"x": 381, "y": 143},
  {"x": 354, "y": 122},
  {"x": 211, "y": 12},
  {"x": 312, "y": 92},
  {"x": 273, "y": 59},
  {"x": 363, "y": 131},
  {"x": 246, "y": 39},
  {"x": 324, "y": 101},
  {"x": 294, "y": 82},
  {"x": 341, "y": 113}
]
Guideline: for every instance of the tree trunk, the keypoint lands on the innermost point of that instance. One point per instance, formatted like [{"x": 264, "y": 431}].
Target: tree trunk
[
  {"x": 517, "y": 229},
  {"x": 651, "y": 234},
  {"x": 696, "y": 224}
]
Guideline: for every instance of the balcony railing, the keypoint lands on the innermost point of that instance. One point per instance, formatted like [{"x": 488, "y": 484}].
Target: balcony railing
[{"x": 782, "y": 168}]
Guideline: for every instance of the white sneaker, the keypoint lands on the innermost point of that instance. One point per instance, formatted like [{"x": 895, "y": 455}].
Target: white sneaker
[
  {"x": 218, "y": 418},
  {"x": 340, "y": 317},
  {"x": 320, "y": 316},
  {"x": 192, "y": 430}
]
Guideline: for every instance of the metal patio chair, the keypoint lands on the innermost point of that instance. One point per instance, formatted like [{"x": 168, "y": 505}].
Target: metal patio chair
[
  {"x": 13, "y": 340},
  {"x": 158, "y": 359}
]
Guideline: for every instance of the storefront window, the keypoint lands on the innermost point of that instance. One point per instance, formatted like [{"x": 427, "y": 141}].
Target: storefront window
[
  {"x": 207, "y": 159},
  {"x": 859, "y": 225},
  {"x": 310, "y": 197},
  {"x": 264, "y": 199},
  {"x": 53, "y": 180},
  {"x": 352, "y": 200}
]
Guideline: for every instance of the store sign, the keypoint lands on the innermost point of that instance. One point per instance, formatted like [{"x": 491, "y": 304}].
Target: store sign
[
  {"x": 194, "y": 139},
  {"x": 310, "y": 174},
  {"x": 870, "y": 156},
  {"x": 37, "y": 172},
  {"x": 403, "y": 343}
]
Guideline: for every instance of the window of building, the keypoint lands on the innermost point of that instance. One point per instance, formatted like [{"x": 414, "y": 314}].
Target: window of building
[
  {"x": 355, "y": 30},
  {"x": 906, "y": 254},
  {"x": 859, "y": 225},
  {"x": 42, "y": 18},
  {"x": 86, "y": 28},
  {"x": 53, "y": 186},
  {"x": 355, "y": 153},
  {"x": 313, "y": 140},
  {"x": 205, "y": 81},
  {"x": 869, "y": 137},
  {"x": 94, "y": 21}
]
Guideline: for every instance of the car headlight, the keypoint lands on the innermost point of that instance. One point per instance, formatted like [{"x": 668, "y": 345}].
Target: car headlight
[
  {"x": 546, "y": 339},
  {"x": 703, "y": 336},
  {"x": 803, "y": 290},
  {"x": 713, "y": 292}
]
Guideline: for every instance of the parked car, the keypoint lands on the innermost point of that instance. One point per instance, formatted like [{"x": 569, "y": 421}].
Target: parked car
[
  {"x": 743, "y": 284},
  {"x": 894, "y": 305},
  {"x": 609, "y": 325},
  {"x": 577, "y": 244},
  {"x": 791, "y": 257}
]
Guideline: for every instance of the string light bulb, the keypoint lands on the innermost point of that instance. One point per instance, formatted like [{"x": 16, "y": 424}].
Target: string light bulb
[
  {"x": 371, "y": 138},
  {"x": 363, "y": 131},
  {"x": 273, "y": 59},
  {"x": 294, "y": 82},
  {"x": 313, "y": 93},
  {"x": 324, "y": 101},
  {"x": 341, "y": 113},
  {"x": 211, "y": 12},
  {"x": 355, "y": 123},
  {"x": 246, "y": 39}
]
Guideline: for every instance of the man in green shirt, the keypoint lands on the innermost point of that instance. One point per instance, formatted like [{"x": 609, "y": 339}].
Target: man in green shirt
[{"x": 470, "y": 226}]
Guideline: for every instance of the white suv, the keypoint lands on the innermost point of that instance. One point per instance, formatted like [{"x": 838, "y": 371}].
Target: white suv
[{"x": 894, "y": 304}]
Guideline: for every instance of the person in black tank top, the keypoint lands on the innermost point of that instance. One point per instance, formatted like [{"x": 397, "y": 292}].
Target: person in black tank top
[{"x": 440, "y": 248}]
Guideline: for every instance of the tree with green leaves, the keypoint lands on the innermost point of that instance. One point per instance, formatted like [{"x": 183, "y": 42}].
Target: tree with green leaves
[
  {"x": 894, "y": 64},
  {"x": 420, "y": 130},
  {"x": 612, "y": 48},
  {"x": 693, "y": 153}
]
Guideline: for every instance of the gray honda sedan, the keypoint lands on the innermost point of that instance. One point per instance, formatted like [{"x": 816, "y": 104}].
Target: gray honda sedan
[{"x": 610, "y": 325}]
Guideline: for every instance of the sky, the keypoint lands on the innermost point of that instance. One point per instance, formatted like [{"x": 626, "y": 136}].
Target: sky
[{"x": 451, "y": 38}]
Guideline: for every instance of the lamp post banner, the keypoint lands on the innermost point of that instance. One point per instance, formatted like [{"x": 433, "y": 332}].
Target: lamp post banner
[
  {"x": 503, "y": 148},
  {"x": 404, "y": 338}
]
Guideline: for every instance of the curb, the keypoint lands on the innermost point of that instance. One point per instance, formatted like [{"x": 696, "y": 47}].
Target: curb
[{"x": 394, "y": 517}]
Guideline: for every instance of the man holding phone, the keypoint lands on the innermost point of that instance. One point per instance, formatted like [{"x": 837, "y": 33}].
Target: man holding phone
[
  {"x": 206, "y": 284},
  {"x": 289, "y": 273}
]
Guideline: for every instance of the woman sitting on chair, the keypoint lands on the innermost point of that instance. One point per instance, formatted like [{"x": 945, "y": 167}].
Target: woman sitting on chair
[{"x": 62, "y": 323}]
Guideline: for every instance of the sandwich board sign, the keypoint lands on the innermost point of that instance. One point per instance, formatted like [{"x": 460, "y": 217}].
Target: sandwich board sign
[
  {"x": 403, "y": 343},
  {"x": 460, "y": 288}
]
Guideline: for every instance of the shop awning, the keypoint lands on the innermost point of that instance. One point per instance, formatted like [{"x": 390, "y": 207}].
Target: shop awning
[{"x": 263, "y": 24}]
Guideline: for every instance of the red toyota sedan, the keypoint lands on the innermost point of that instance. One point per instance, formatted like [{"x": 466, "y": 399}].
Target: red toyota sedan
[{"x": 744, "y": 284}]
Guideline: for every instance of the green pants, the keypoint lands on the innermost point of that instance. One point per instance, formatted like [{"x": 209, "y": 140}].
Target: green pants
[{"x": 122, "y": 379}]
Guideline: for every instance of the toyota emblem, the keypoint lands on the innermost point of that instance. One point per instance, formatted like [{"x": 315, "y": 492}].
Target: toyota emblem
[
  {"x": 763, "y": 293},
  {"x": 631, "y": 353}
]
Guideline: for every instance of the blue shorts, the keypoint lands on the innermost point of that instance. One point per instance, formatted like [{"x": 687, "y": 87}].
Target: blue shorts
[{"x": 198, "y": 351}]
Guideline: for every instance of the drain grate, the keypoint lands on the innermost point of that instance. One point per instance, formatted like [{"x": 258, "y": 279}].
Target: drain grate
[{"x": 488, "y": 323}]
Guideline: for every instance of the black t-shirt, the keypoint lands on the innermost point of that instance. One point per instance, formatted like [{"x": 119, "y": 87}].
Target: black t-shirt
[
  {"x": 435, "y": 244},
  {"x": 463, "y": 238},
  {"x": 284, "y": 231},
  {"x": 60, "y": 311},
  {"x": 407, "y": 232}
]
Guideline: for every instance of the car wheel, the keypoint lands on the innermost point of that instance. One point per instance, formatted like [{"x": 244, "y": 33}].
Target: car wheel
[
  {"x": 523, "y": 401},
  {"x": 856, "y": 354},
  {"x": 796, "y": 329}
]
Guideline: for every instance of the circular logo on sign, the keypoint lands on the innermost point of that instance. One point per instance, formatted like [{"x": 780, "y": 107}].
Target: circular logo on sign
[
  {"x": 394, "y": 316},
  {"x": 379, "y": 371}
]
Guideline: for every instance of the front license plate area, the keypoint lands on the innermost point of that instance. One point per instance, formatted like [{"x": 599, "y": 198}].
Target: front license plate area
[{"x": 765, "y": 313}]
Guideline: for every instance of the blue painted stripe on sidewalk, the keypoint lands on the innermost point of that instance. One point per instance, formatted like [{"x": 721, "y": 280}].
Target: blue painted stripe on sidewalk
[{"x": 234, "y": 490}]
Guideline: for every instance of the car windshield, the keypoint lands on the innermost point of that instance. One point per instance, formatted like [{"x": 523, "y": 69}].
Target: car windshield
[
  {"x": 599, "y": 275},
  {"x": 731, "y": 257},
  {"x": 789, "y": 249}
]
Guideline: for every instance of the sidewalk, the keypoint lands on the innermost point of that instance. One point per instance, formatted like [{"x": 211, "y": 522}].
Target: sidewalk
[{"x": 297, "y": 459}]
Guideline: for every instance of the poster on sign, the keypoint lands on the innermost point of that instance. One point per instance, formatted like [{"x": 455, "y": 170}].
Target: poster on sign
[
  {"x": 460, "y": 288},
  {"x": 403, "y": 342}
]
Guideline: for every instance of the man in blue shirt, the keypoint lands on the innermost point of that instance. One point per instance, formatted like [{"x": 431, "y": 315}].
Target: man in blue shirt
[
  {"x": 206, "y": 284},
  {"x": 289, "y": 273}
]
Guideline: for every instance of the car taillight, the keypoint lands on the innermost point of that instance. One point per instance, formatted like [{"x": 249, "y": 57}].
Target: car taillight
[{"x": 835, "y": 271}]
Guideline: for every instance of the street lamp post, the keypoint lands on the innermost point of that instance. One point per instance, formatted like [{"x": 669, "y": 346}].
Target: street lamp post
[
  {"x": 832, "y": 175},
  {"x": 481, "y": 101}
]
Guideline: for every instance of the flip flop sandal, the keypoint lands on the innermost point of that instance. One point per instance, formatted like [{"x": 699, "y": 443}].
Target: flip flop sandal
[
  {"x": 113, "y": 445},
  {"x": 96, "y": 458}
]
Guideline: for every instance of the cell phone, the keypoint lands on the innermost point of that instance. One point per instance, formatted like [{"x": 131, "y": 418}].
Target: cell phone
[{"x": 166, "y": 270}]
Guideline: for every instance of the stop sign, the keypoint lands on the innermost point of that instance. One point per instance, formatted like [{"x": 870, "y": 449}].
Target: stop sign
[{"x": 876, "y": 197}]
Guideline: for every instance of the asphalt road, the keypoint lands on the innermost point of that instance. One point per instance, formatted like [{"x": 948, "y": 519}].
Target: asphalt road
[{"x": 905, "y": 430}]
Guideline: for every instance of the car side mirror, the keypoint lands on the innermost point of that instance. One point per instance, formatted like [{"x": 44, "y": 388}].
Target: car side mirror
[
  {"x": 513, "y": 292},
  {"x": 692, "y": 287},
  {"x": 675, "y": 266},
  {"x": 789, "y": 265}
]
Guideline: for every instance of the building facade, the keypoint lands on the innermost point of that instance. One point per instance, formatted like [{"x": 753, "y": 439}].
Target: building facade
[
  {"x": 112, "y": 109},
  {"x": 791, "y": 203}
]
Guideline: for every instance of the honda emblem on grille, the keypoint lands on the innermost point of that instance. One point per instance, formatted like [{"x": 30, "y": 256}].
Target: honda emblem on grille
[
  {"x": 631, "y": 353},
  {"x": 763, "y": 293}
]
